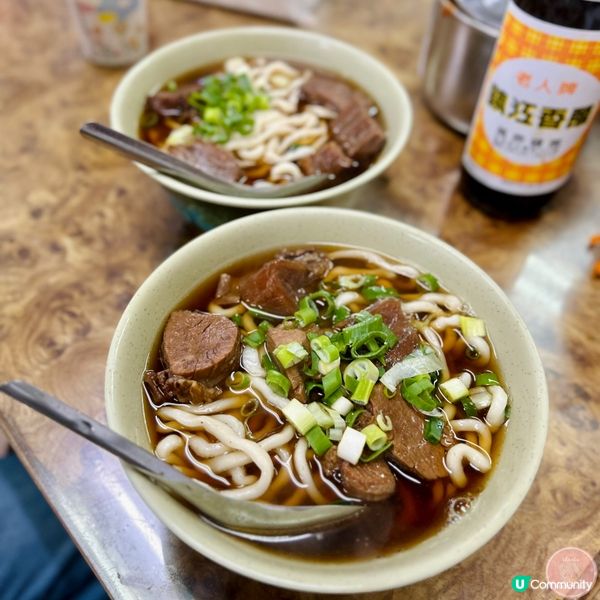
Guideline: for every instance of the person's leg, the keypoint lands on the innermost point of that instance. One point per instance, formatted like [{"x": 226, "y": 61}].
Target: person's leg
[{"x": 38, "y": 560}]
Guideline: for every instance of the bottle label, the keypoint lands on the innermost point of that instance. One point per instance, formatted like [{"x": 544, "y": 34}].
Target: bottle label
[{"x": 536, "y": 105}]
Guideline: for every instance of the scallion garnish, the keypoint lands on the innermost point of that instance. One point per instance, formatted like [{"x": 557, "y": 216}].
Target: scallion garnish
[
  {"x": 373, "y": 345},
  {"x": 418, "y": 392},
  {"x": 321, "y": 414},
  {"x": 375, "y": 292},
  {"x": 472, "y": 327},
  {"x": 363, "y": 391},
  {"x": 374, "y": 455},
  {"x": 318, "y": 441},
  {"x": 254, "y": 338},
  {"x": 351, "y": 445},
  {"x": 307, "y": 312},
  {"x": 355, "y": 281},
  {"x": 488, "y": 378},
  {"x": 237, "y": 319},
  {"x": 238, "y": 381},
  {"x": 226, "y": 105},
  {"x": 332, "y": 382},
  {"x": 468, "y": 406},
  {"x": 353, "y": 415},
  {"x": 428, "y": 282},
  {"x": 357, "y": 369},
  {"x": 433, "y": 430},
  {"x": 454, "y": 389},
  {"x": 290, "y": 354},
  {"x": 299, "y": 416},
  {"x": 376, "y": 438},
  {"x": 278, "y": 382},
  {"x": 341, "y": 313}
]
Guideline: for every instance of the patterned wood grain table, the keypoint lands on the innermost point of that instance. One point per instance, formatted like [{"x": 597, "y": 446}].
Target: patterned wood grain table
[{"x": 81, "y": 229}]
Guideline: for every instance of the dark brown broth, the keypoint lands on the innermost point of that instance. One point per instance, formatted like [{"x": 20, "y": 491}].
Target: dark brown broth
[
  {"x": 416, "y": 511},
  {"x": 158, "y": 133}
]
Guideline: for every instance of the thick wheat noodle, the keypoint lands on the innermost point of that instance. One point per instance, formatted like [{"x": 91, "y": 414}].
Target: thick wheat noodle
[
  {"x": 217, "y": 406},
  {"x": 339, "y": 270},
  {"x": 303, "y": 470},
  {"x": 449, "y": 301},
  {"x": 496, "y": 414},
  {"x": 420, "y": 306},
  {"x": 202, "y": 448},
  {"x": 227, "y": 436},
  {"x": 375, "y": 259},
  {"x": 238, "y": 459},
  {"x": 240, "y": 477},
  {"x": 168, "y": 445},
  {"x": 475, "y": 425},
  {"x": 455, "y": 457},
  {"x": 217, "y": 309}
]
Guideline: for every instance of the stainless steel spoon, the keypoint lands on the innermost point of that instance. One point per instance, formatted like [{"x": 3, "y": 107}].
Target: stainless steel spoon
[
  {"x": 237, "y": 515},
  {"x": 166, "y": 164}
]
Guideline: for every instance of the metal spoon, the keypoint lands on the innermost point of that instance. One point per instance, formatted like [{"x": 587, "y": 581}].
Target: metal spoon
[
  {"x": 237, "y": 515},
  {"x": 166, "y": 164}
]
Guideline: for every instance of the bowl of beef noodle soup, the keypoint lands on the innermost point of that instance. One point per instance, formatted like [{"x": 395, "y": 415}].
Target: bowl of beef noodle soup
[
  {"x": 265, "y": 106},
  {"x": 361, "y": 361}
]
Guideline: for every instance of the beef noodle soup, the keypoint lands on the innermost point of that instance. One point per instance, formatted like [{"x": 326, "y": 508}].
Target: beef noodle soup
[
  {"x": 349, "y": 377},
  {"x": 265, "y": 122}
]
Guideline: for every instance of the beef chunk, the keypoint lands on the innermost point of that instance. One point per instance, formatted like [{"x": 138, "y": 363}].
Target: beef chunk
[
  {"x": 277, "y": 336},
  {"x": 228, "y": 290},
  {"x": 371, "y": 482},
  {"x": 173, "y": 104},
  {"x": 332, "y": 93},
  {"x": 200, "y": 346},
  {"x": 330, "y": 158},
  {"x": 278, "y": 285},
  {"x": 360, "y": 136},
  {"x": 164, "y": 387},
  {"x": 211, "y": 158},
  {"x": 390, "y": 310},
  {"x": 409, "y": 447}
]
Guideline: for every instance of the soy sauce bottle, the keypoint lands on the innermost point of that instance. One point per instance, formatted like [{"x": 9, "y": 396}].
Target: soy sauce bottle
[{"x": 536, "y": 106}]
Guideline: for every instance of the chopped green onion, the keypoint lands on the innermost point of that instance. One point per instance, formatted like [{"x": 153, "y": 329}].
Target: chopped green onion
[
  {"x": 171, "y": 85},
  {"x": 279, "y": 383},
  {"x": 376, "y": 454},
  {"x": 311, "y": 385},
  {"x": 255, "y": 338},
  {"x": 332, "y": 381},
  {"x": 507, "y": 411},
  {"x": 321, "y": 414},
  {"x": 488, "y": 378},
  {"x": 377, "y": 343},
  {"x": 249, "y": 408},
  {"x": 237, "y": 319},
  {"x": 384, "y": 422},
  {"x": 238, "y": 381},
  {"x": 307, "y": 312},
  {"x": 418, "y": 392},
  {"x": 267, "y": 363},
  {"x": 299, "y": 416},
  {"x": 352, "y": 416},
  {"x": 351, "y": 445},
  {"x": 335, "y": 434},
  {"x": 290, "y": 354},
  {"x": 338, "y": 421},
  {"x": 342, "y": 405},
  {"x": 355, "y": 281},
  {"x": 433, "y": 429},
  {"x": 358, "y": 369},
  {"x": 326, "y": 298},
  {"x": 429, "y": 282},
  {"x": 326, "y": 367},
  {"x": 472, "y": 327},
  {"x": 363, "y": 391},
  {"x": 454, "y": 389},
  {"x": 324, "y": 349},
  {"x": 421, "y": 361},
  {"x": 313, "y": 370},
  {"x": 318, "y": 441},
  {"x": 376, "y": 438},
  {"x": 378, "y": 291},
  {"x": 468, "y": 406},
  {"x": 341, "y": 313}
]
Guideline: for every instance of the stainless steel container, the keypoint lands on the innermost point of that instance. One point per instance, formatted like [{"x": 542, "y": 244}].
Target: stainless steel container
[{"x": 455, "y": 57}]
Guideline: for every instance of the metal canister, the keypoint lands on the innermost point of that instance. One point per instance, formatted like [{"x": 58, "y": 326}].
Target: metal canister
[{"x": 454, "y": 61}]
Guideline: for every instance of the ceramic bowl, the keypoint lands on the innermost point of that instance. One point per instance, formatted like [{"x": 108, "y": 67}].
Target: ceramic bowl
[
  {"x": 523, "y": 373},
  {"x": 312, "y": 49}
]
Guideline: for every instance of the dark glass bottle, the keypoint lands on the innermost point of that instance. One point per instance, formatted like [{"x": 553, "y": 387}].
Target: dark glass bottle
[{"x": 535, "y": 107}]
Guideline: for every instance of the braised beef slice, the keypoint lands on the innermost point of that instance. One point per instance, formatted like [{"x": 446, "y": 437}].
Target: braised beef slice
[
  {"x": 278, "y": 285},
  {"x": 173, "y": 104},
  {"x": 360, "y": 135},
  {"x": 332, "y": 93},
  {"x": 200, "y": 346},
  {"x": 228, "y": 290},
  {"x": 371, "y": 482},
  {"x": 409, "y": 449},
  {"x": 330, "y": 158},
  {"x": 391, "y": 312},
  {"x": 211, "y": 158},
  {"x": 277, "y": 336},
  {"x": 164, "y": 387}
]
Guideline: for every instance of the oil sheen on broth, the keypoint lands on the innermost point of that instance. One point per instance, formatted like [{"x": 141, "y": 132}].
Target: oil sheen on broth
[
  {"x": 264, "y": 121},
  {"x": 424, "y": 496}
]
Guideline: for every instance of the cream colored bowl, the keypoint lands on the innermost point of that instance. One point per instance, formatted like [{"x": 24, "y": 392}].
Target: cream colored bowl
[
  {"x": 312, "y": 49},
  {"x": 210, "y": 253}
]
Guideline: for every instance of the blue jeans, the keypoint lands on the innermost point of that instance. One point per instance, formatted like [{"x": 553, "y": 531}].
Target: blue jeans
[{"x": 38, "y": 560}]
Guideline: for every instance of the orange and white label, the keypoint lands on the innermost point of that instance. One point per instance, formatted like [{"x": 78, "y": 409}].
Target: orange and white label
[{"x": 536, "y": 105}]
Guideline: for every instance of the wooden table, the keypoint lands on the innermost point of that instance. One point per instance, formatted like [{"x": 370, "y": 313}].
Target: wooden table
[{"x": 81, "y": 229}]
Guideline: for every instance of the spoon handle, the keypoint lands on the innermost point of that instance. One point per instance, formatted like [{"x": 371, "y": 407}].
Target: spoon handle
[
  {"x": 147, "y": 154},
  {"x": 88, "y": 428}
]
